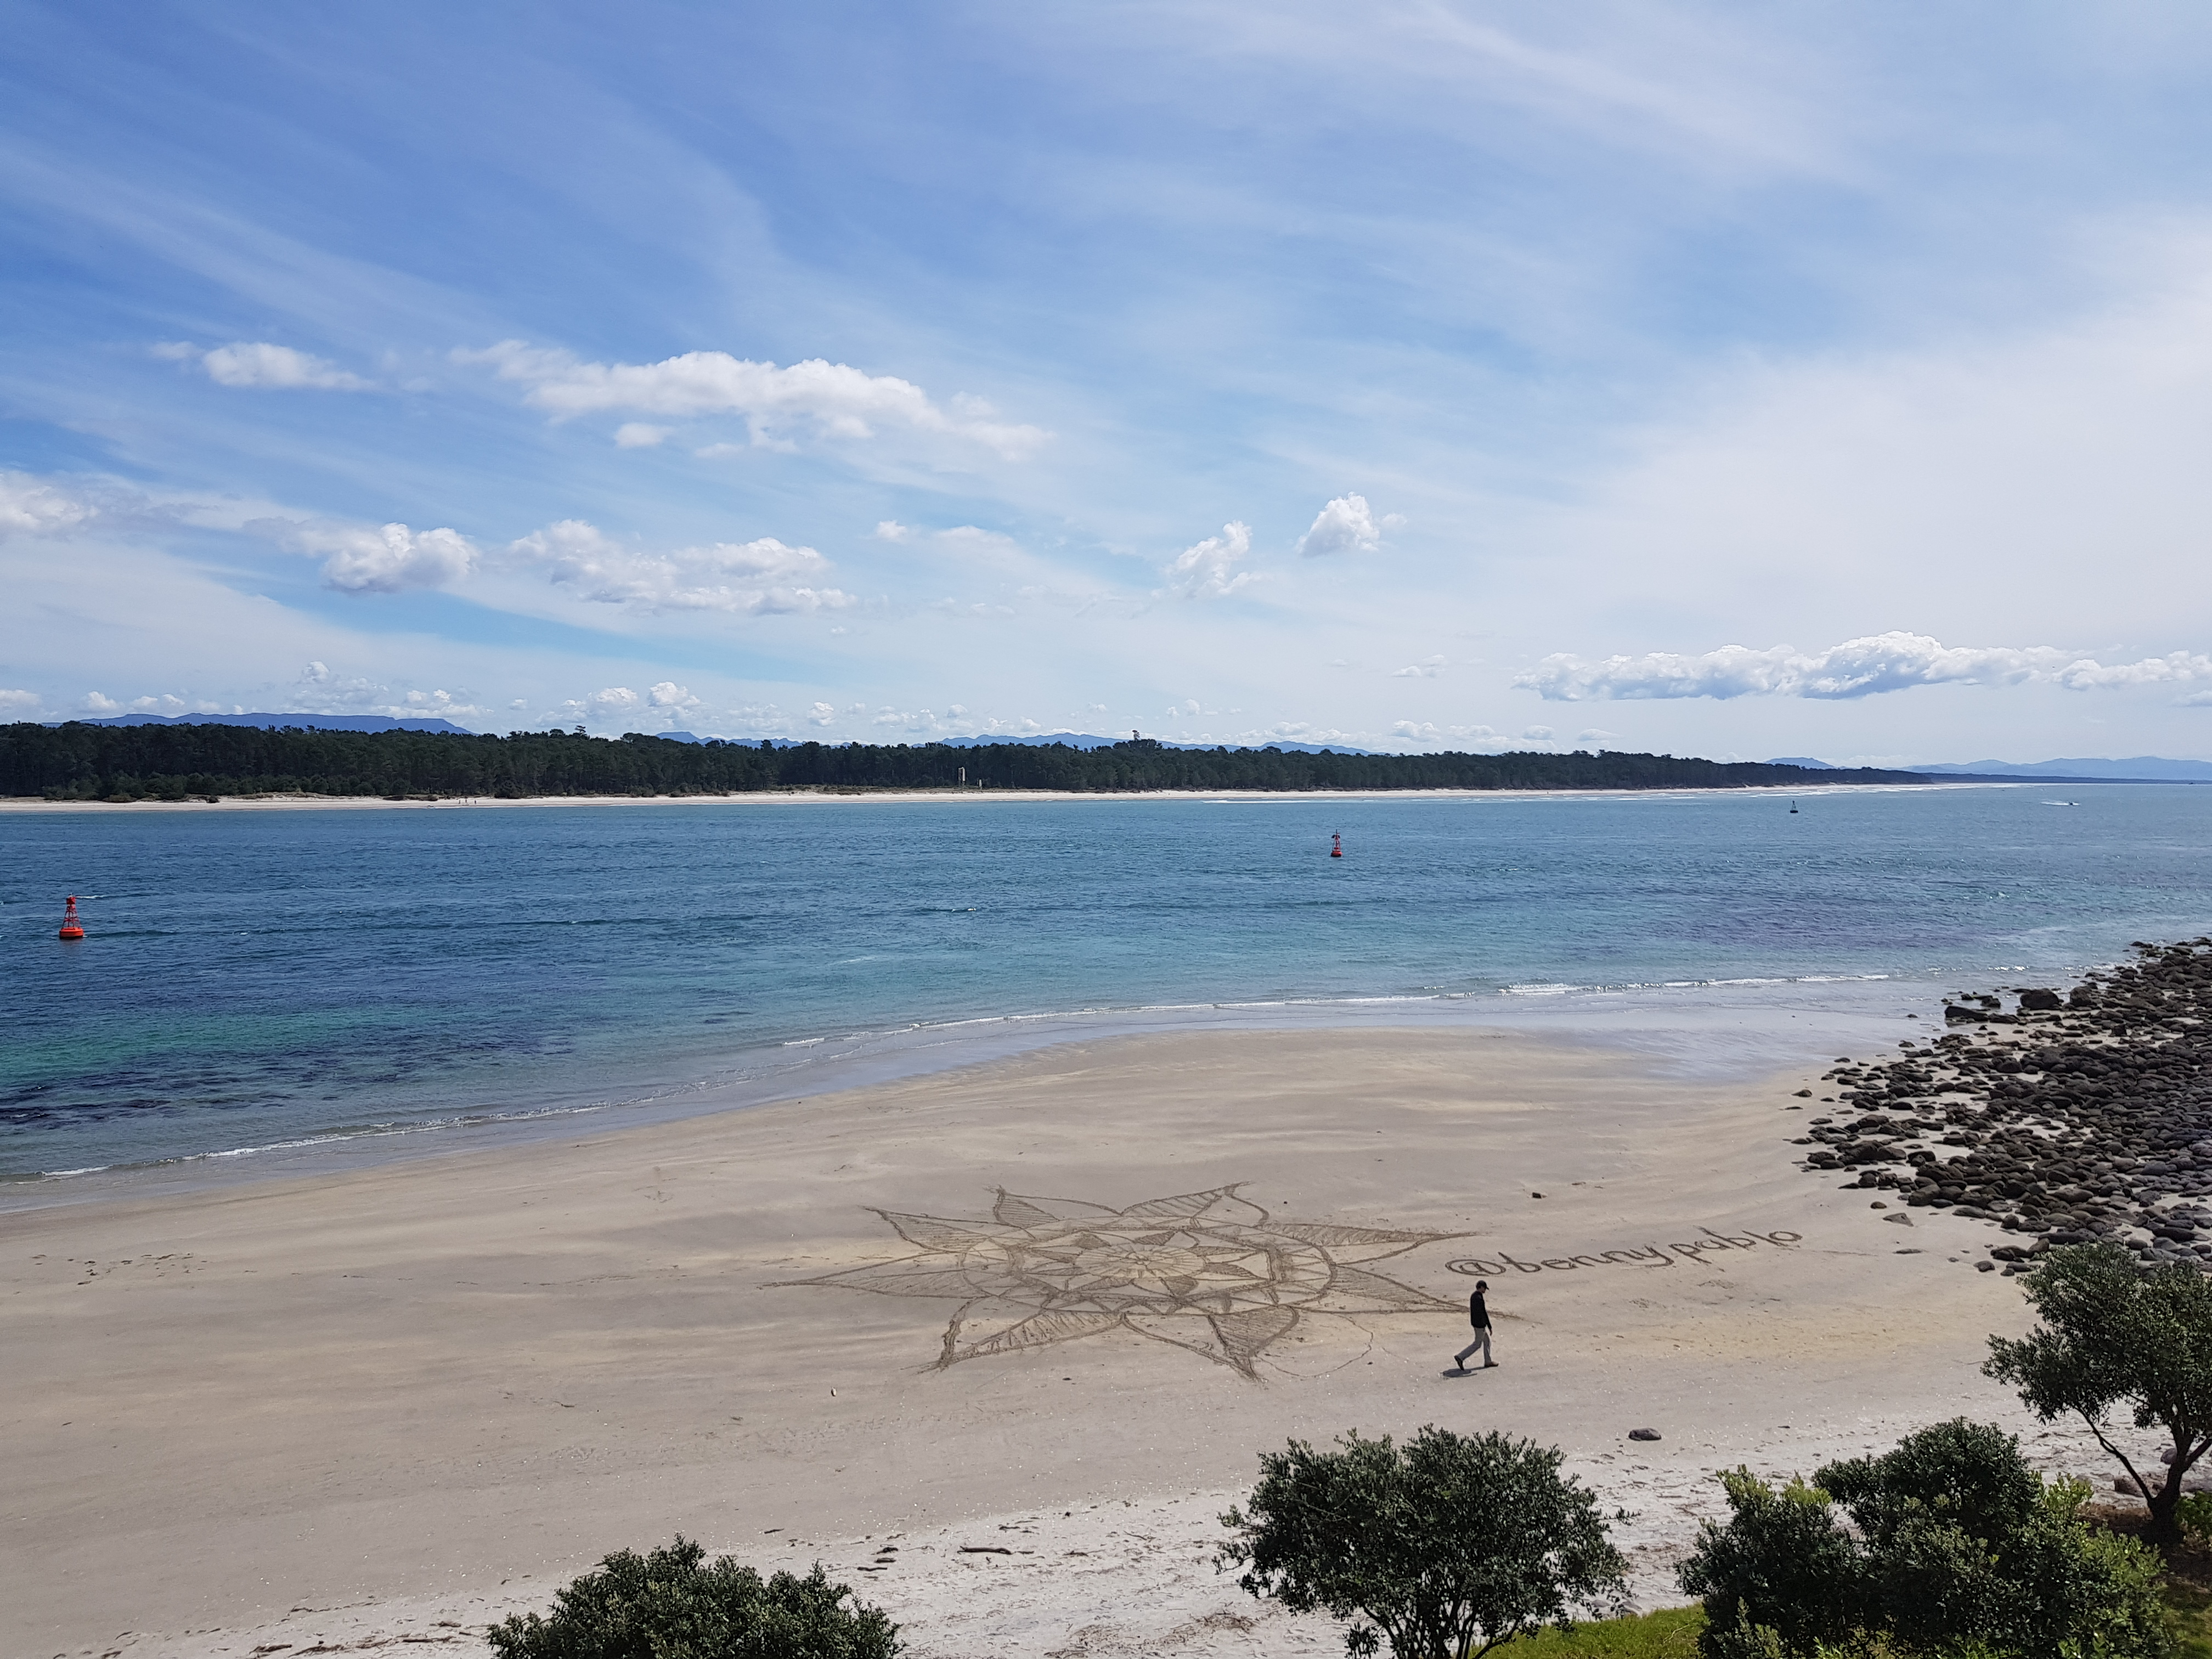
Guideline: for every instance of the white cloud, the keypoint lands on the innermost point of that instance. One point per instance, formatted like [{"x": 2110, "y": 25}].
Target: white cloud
[
  {"x": 21, "y": 704},
  {"x": 1207, "y": 570},
  {"x": 922, "y": 722},
  {"x": 1595, "y": 734},
  {"x": 315, "y": 673},
  {"x": 746, "y": 578},
  {"x": 669, "y": 694},
  {"x": 1430, "y": 732},
  {"x": 1537, "y": 733},
  {"x": 890, "y": 530},
  {"x": 1428, "y": 668},
  {"x": 382, "y": 560},
  {"x": 31, "y": 506},
  {"x": 255, "y": 365},
  {"x": 833, "y": 399},
  {"x": 1856, "y": 668},
  {"x": 441, "y": 704},
  {"x": 637, "y": 434},
  {"x": 1346, "y": 525},
  {"x": 97, "y": 703},
  {"x": 821, "y": 714}
]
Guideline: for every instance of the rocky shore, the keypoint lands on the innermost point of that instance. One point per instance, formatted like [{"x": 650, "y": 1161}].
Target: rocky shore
[{"x": 2062, "y": 1119}]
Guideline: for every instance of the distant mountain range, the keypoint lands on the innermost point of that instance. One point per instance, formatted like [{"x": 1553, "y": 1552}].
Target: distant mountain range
[
  {"x": 1073, "y": 739},
  {"x": 380, "y": 723},
  {"x": 2143, "y": 768},
  {"x": 277, "y": 722}
]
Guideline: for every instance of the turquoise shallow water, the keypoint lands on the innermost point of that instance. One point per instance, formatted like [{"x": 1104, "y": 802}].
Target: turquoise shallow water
[{"x": 258, "y": 978}]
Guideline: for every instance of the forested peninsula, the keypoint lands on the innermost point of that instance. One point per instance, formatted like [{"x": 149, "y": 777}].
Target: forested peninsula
[{"x": 80, "y": 763}]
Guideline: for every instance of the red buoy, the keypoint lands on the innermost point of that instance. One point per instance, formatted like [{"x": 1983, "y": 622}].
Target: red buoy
[
  {"x": 1336, "y": 847},
  {"x": 71, "y": 927}
]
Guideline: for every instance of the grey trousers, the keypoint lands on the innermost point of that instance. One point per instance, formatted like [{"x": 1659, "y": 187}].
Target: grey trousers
[{"x": 1481, "y": 1341}]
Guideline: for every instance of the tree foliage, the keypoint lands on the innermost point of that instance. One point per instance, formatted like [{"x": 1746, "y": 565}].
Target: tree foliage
[
  {"x": 674, "y": 1604},
  {"x": 2115, "y": 1335},
  {"x": 1445, "y": 1547},
  {"x": 1955, "y": 1546},
  {"x": 1783, "y": 1563},
  {"x": 77, "y": 762}
]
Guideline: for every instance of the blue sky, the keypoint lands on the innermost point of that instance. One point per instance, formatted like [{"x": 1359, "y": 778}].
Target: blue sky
[{"x": 1827, "y": 380}]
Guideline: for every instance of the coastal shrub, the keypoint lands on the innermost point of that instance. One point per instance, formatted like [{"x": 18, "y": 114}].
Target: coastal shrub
[
  {"x": 2194, "y": 1512},
  {"x": 1445, "y": 1547},
  {"x": 675, "y": 1604},
  {"x": 1956, "y": 1546},
  {"x": 2116, "y": 1335},
  {"x": 1784, "y": 1564}
]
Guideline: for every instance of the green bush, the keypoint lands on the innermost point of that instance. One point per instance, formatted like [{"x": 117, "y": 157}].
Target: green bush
[
  {"x": 1784, "y": 1563},
  {"x": 1446, "y": 1548},
  {"x": 2195, "y": 1514},
  {"x": 668, "y": 1605},
  {"x": 2114, "y": 1335},
  {"x": 1959, "y": 1548}
]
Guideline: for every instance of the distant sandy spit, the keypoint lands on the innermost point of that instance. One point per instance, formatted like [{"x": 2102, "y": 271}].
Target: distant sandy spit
[
  {"x": 996, "y": 1345},
  {"x": 282, "y": 803}
]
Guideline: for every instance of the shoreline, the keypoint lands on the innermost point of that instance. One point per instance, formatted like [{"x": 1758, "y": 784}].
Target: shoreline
[
  {"x": 24, "y": 804},
  {"x": 359, "y": 1405},
  {"x": 1757, "y": 1024}
]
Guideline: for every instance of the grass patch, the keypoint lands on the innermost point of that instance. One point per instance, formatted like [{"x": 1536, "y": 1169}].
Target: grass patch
[
  {"x": 1670, "y": 1633},
  {"x": 2192, "y": 1620}
]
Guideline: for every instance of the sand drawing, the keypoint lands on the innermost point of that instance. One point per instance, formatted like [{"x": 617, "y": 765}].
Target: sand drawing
[{"x": 1208, "y": 1272}]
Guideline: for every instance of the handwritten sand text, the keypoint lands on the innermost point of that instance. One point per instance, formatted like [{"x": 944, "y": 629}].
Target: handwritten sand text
[{"x": 1647, "y": 1255}]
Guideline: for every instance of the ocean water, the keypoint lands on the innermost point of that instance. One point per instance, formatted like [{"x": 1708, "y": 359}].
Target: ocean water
[{"x": 255, "y": 981}]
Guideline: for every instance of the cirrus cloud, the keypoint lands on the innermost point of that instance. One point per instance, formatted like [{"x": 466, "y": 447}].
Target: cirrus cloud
[
  {"x": 1863, "y": 667},
  {"x": 833, "y": 399}
]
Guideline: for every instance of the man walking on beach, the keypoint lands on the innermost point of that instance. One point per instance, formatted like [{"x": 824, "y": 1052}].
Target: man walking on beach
[{"x": 1477, "y": 1314}]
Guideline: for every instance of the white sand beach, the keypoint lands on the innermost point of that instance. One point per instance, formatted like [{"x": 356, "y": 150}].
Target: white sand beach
[
  {"x": 331, "y": 1414},
  {"x": 813, "y": 796}
]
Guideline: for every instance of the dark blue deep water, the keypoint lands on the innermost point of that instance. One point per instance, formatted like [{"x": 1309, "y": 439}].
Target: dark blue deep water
[{"x": 258, "y": 978}]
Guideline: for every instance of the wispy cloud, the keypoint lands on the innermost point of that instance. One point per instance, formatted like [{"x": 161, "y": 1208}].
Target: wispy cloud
[
  {"x": 258, "y": 365},
  {"x": 746, "y": 578},
  {"x": 832, "y": 400},
  {"x": 1857, "y": 668}
]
